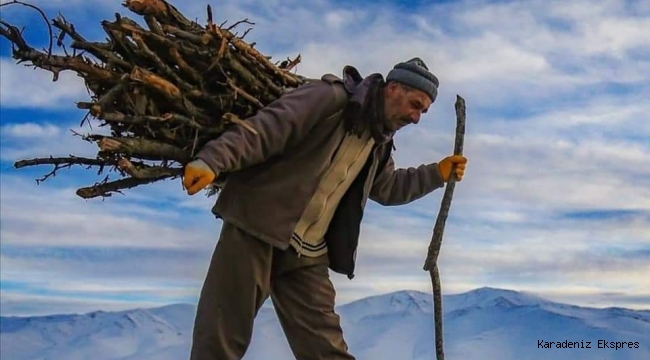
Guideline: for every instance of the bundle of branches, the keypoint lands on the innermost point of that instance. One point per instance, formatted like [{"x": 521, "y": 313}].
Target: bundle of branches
[{"x": 163, "y": 89}]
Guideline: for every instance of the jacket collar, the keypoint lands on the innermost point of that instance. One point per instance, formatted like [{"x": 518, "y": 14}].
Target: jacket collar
[{"x": 358, "y": 87}]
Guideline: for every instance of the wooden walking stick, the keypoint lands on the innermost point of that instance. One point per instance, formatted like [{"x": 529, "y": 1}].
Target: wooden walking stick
[{"x": 430, "y": 264}]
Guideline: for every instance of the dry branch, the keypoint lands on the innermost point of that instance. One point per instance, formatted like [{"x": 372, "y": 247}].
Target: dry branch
[
  {"x": 430, "y": 263},
  {"x": 163, "y": 90}
]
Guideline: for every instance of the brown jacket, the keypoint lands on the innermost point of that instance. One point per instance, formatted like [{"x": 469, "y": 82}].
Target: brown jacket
[{"x": 273, "y": 174}]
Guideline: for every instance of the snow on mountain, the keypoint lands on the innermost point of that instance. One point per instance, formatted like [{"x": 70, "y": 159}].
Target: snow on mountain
[
  {"x": 411, "y": 302},
  {"x": 97, "y": 335},
  {"x": 485, "y": 323},
  {"x": 487, "y": 297}
]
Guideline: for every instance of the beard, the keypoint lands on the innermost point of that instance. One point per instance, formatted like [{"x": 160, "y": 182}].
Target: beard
[{"x": 396, "y": 122}]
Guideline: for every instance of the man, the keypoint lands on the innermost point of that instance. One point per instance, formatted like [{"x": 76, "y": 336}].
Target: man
[{"x": 293, "y": 202}]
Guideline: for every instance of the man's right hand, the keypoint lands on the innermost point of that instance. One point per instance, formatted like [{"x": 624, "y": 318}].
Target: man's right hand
[{"x": 197, "y": 176}]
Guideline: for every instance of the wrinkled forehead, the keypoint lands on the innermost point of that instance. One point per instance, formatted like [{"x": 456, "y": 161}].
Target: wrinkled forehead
[{"x": 419, "y": 96}]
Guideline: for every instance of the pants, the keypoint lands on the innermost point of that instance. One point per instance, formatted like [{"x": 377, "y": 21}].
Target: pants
[{"x": 243, "y": 273}]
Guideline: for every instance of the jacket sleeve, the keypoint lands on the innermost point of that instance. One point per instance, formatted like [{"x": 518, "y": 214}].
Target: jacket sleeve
[
  {"x": 401, "y": 186},
  {"x": 279, "y": 125}
]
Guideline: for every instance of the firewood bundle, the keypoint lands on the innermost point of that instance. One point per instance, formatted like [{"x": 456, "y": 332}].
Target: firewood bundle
[{"x": 163, "y": 89}]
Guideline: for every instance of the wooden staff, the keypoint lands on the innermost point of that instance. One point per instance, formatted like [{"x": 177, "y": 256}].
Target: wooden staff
[{"x": 430, "y": 264}]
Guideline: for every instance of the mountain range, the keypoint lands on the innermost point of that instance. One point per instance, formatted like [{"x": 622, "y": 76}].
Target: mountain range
[{"x": 485, "y": 323}]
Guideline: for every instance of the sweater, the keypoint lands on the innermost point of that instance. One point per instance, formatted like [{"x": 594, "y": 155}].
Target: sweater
[{"x": 308, "y": 237}]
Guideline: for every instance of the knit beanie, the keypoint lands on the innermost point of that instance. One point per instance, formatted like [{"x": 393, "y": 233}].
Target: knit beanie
[{"x": 415, "y": 73}]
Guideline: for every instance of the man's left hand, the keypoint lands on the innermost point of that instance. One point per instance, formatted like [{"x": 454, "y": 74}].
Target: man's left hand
[
  {"x": 445, "y": 165},
  {"x": 197, "y": 176}
]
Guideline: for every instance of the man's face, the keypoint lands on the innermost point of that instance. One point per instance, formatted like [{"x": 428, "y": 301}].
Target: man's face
[{"x": 404, "y": 106}]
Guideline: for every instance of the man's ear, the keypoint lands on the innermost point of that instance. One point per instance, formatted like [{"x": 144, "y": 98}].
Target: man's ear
[{"x": 392, "y": 87}]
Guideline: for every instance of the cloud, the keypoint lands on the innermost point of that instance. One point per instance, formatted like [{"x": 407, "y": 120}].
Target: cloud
[
  {"x": 67, "y": 220},
  {"x": 26, "y": 87},
  {"x": 31, "y": 130},
  {"x": 17, "y": 304},
  {"x": 535, "y": 255},
  {"x": 555, "y": 199},
  {"x": 48, "y": 137},
  {"x": 114, "y": 272},
  {"x": 135, "y": 251},
  {"x": 522, "y": 56}
]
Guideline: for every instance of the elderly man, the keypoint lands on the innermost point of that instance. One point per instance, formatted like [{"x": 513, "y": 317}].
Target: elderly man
[{"x": 293, "y": 202}]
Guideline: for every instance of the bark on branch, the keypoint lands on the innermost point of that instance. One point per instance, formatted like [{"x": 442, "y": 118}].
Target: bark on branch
[
  {"x": 106, "y": 189},
  {"x": 163, "y": 90},
  {"x": 142, "y": 148},
  {"x": 430, "y": 263}
]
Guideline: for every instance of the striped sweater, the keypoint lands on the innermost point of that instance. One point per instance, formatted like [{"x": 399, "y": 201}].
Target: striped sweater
[{"x": 308, "y": 236}]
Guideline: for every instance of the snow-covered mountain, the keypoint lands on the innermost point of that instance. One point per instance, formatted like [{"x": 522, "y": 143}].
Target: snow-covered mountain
[{"x": 485, "y": 323}]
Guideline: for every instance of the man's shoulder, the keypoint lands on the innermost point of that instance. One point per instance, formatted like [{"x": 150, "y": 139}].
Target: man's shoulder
[
  {"x": 341, "y": 93},
  {"x": 328, "y": 89},
  {"x": 331, "y": 79}
]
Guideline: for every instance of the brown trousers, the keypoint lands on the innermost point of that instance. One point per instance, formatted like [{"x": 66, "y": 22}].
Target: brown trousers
[{"x": 243, "y": 272}]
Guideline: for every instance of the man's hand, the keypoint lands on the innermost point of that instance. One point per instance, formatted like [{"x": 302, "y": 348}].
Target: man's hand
[
  {"x": 197, "y": 176},
  {"x": 445, "y": 165}
]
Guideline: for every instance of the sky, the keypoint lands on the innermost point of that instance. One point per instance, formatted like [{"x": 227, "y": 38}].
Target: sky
[{"x": 555, "y": 199}]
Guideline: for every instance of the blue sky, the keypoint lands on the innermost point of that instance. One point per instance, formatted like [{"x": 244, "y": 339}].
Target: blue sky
[{"x": 556, "y": 197}]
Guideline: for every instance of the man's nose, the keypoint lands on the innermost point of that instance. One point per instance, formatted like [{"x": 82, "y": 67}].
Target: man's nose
[{"x": 415, "y": 118}]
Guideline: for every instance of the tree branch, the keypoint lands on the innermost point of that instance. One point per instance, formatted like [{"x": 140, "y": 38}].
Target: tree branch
[
  {"x": 105, "y": 189},
  {"x": 49, "y": 27},
  {"x": 62, "y": 163}
]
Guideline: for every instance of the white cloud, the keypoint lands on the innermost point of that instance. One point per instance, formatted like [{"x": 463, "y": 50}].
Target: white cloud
[
  {"x": 556, "y": 97},
  {"x": 25, "y": 87},
  {"x": 22, "y": 141},
  {"x": 339, "y": 18},
  {"x": 520, "y": 55},
  {"x": 31, "y": 130},
  {"x": 605, "y": 255},
  {"x": 35, "y": 305},
  {"x": 65, "y": 219}
]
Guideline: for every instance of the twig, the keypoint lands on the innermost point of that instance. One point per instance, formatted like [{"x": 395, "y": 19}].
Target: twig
[
  {"x": 246, "y": 21},
  {"x": 239, "y": 91},
  {"x": 245, "y": 48},
  {"x": 104, "y": 102},
  {"x": 232, "y": 118},
  {"x": 105, "y": 189},
  {"x": 142, "y": 148},
  {"x": 71, "y": 160},
  {"x": 290, "y": 64},
  {"x": 146, "y": 119},
  {"x": 102, "y": 51},
  {"x": 245, "y": 33},
  {"x": 62, "y": 163},
  {"x": 49, "y": 27},
  {"x": 53, "y": 63},
  {"x": 147, "y": 172}
]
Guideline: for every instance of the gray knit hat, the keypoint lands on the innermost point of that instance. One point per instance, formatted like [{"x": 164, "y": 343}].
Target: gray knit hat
[{"x": 415, "y": 73}]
